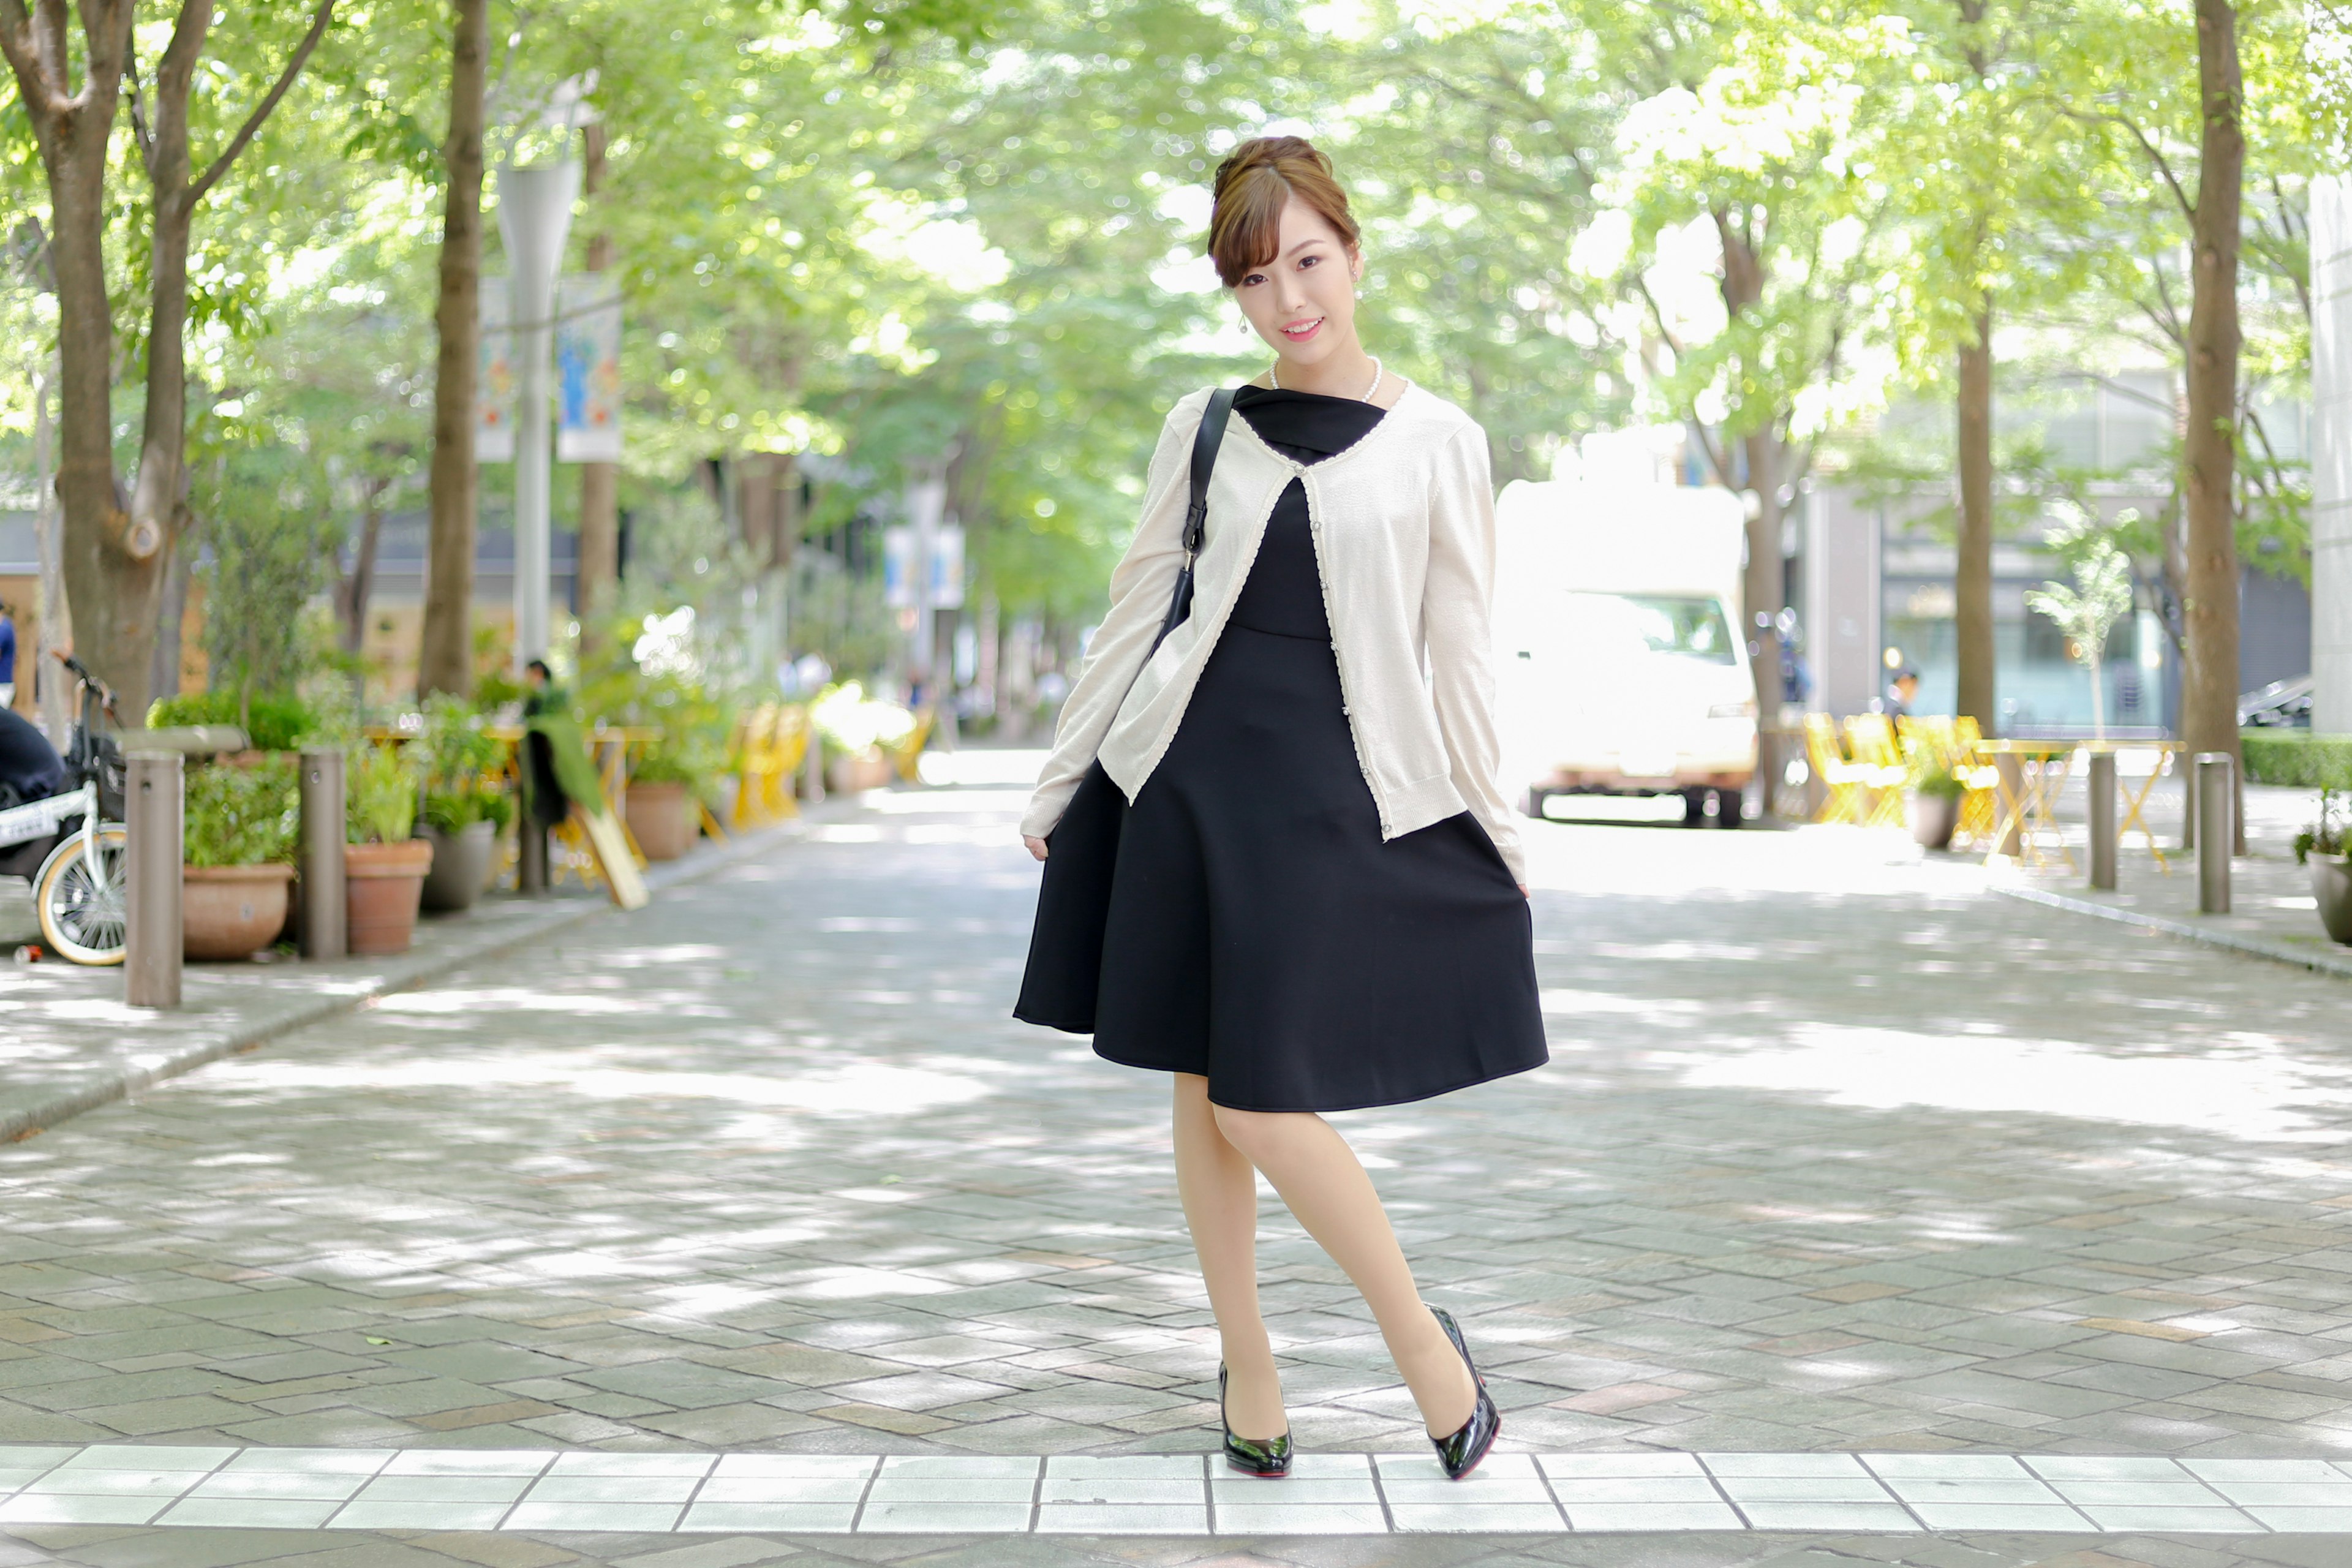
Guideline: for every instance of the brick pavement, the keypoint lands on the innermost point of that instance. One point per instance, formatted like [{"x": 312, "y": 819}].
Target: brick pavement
[{"x": 1836, "y": 1153}]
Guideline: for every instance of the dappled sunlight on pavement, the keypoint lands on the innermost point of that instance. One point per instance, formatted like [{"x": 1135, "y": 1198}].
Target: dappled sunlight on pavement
[{"x": 1835, "y": 1152}]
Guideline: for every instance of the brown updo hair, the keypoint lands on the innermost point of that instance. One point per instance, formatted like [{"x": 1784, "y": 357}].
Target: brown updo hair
[{"x": 1252, "y": 188}]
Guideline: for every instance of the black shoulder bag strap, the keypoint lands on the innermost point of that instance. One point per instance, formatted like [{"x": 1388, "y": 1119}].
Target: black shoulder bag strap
[{"x": 1205, "y": 442}]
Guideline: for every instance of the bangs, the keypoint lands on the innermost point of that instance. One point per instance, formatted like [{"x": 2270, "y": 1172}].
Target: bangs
[{"x": 1246, "y": 230}]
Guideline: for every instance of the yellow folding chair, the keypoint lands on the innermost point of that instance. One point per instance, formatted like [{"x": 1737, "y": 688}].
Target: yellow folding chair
[
  {"x": 1871, "y": 738},
  {"x": 753, "y": 756},
  {"x": 1841, "y": 779},
  {"x": 1979, "y": 805}
]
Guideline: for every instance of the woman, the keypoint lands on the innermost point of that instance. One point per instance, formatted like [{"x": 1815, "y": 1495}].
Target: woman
[{"x": 1317, "y": 901}]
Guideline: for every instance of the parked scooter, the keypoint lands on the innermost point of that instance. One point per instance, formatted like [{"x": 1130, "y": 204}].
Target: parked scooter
[{"x": 75, "y": 837}]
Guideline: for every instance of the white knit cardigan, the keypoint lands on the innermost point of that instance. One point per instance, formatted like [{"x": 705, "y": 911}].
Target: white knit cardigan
[{"x": 1403, "y": 524}]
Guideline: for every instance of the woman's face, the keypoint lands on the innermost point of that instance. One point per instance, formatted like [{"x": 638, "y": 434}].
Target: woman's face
[{"x": 1304, "y": 300}]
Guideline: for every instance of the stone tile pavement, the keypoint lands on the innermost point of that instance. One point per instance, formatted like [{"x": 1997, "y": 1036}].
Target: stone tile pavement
[
  {"x": 687, "y": 1492},
  {"x": 2272, "y": 914},
  {"x": 1836, "y": 1155},
  {"x": 69, "y": 1041}
]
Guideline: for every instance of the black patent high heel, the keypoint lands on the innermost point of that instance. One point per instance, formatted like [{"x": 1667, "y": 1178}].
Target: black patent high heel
[
  {"x": 1268, "y": 1457},
  {"x": 1460, "y": 1452}
]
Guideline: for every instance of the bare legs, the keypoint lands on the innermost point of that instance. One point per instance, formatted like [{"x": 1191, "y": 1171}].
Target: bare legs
[{"x": 1324, "y": 1186}]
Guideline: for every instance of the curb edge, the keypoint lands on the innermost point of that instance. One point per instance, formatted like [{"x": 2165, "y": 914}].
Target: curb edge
[{"x": 2318, "y": 962}]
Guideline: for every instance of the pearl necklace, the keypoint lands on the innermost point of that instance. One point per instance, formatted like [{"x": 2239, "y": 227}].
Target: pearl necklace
[{"x": 1274, "y": 379}]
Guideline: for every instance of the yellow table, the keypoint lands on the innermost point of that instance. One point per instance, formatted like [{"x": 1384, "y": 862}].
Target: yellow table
[
  {"x": 2136, "y": 800},
  {"x": 2030, "y": 775}
]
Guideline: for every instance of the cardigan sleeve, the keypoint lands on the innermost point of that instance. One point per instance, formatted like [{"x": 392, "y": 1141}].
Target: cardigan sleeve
[
  {"x": 1458, "y": 603},
  {"x": 1140, "y": 592}
]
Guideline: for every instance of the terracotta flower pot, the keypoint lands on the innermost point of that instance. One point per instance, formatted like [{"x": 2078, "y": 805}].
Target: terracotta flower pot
[
  {"x": 461, "y": 865},
  {"x": 1934, "y": 818},
  {"x": 869, "y": 769},
  {"x": 661, "y": 819},
  {"x": 232, "y": 911},
  {"x": 2331, "y": 884},
  {"x": 382, "y": 884}
]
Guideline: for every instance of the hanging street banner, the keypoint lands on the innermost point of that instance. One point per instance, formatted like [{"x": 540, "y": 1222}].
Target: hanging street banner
[
  {"x": 898, "y": 567},
  {"x": 495, "y": 375},
  {"x": 588, "y": 369}
]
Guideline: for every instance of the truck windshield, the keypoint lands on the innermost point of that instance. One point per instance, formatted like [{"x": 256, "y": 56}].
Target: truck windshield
[{"x": 1692, "y": 626}]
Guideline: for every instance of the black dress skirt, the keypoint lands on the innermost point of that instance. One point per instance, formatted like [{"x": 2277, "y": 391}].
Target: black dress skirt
[{"x": 1259, "y": 931}]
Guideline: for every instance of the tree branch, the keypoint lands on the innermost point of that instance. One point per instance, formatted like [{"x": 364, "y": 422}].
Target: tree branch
[
  {"x": 262, "y": 110},
  {"x": 21, "y": 46},
  {"x": 1658, "y": 315},
  {"x": 140, "y": 132},
  {"x": 2180, "y": 197}
]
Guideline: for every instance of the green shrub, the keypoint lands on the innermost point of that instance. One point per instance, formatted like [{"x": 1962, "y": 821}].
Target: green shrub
[
  {"x": 452, "y": 810},
  {"x": 1940, "y": 783},
  {"x": 273, "y": 723},
  {"x": 380, "y": 788},
  {"x": 242, "y": 816},
  {"x": 2297, "y": 757},
  {"x": 461, "y": 765},
  {"x": 2326, "y": 837},
  {"x": 662, "y": 766}
]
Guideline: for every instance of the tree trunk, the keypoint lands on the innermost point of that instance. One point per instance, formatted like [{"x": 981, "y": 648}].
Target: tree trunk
[
  {"x": 1764, "y": 587},
  {"x": 445, "y": 660},
  {"x": 137, "y": 574},
  {"x": 599, "y": 483},
  {"x": 115, "y": 548},
  {"x": 352, "y": 600},
  {"x": 53, "y": 619},
  {"x": 171, "y": 618},
  {"x": 2209, "y": 705},
  {"x": 1972, "y": 573},
  {"x": 115, "y": 638}
]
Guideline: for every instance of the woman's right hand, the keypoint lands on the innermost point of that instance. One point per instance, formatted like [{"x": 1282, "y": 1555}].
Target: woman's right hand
[{"x": 1036, "y": 845}]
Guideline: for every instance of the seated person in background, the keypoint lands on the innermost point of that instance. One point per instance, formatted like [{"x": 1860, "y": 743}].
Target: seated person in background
[
  {"x": 29, "y": 766},
  {"x": 1901, "y": 693}
]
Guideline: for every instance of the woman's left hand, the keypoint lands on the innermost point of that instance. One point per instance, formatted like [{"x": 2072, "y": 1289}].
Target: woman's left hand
[{"x": 1523, "y": 891}]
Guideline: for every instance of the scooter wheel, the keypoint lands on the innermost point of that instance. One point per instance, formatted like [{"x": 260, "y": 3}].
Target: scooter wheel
[{"x": 82, "y": 907}]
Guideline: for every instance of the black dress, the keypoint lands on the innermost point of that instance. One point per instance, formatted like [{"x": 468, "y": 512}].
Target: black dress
[{"x": 1260, "y": 933}]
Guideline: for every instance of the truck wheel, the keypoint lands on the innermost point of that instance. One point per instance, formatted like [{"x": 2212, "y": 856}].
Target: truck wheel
[
  {"x": 1693, "y": 808},
  {"x": 1729, "y": 804}
]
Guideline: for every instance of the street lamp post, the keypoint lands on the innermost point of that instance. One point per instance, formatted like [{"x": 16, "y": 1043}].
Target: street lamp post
[
  {"x": 927, "y": 498},
  {"x": 534, "y": 215}
]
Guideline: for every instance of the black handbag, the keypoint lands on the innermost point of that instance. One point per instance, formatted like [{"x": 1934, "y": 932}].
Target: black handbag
[{"x": 1064, "y": 975}]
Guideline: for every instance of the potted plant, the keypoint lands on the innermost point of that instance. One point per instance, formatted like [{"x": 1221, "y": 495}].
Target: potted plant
[
  {"x": 241, "y": 825},
  {"x": 1935, "y": 806},
  {"x": 2321, "y": 849},
  {"x": 660, "y": 803},
  {"x": 384, "y": 867},
  {"x": 466, "y": 807},
  {"x": 463, "y": 825},
  {"x": 855, "y": 730}
]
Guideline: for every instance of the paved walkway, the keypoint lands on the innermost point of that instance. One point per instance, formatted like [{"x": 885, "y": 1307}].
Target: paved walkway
[
  {"x": 2272, "y": 912},
  {"x": 1836, "y": 1155},
  {"x": 69, "y": 1042}
]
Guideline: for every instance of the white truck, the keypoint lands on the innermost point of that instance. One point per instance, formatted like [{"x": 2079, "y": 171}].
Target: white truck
[{"x": 1620, "y": 666}]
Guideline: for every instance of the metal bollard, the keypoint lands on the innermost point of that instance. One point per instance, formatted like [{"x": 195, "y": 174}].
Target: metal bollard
[
  {"x": 322, "y": 933},
  {"x": 2217, "y": 800},
  {"x": 530, "y": 855},
  {"x": 813, "y": 771},
  {"x": 2103, "y": 820},
  {"x": 151, "y": 861}
]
